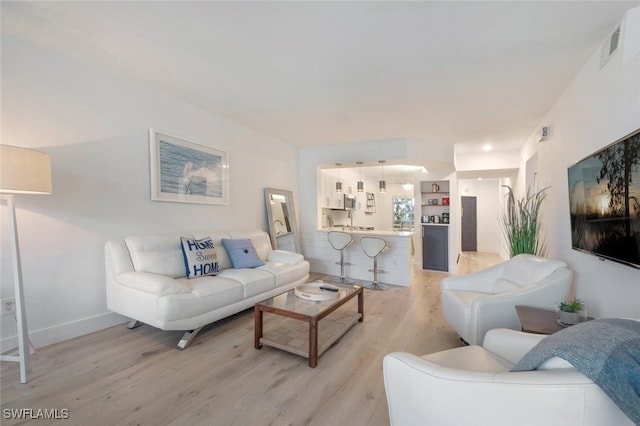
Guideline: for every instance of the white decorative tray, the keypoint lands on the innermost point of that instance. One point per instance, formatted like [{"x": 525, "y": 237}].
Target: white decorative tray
[{"x": 312, "y": 291}]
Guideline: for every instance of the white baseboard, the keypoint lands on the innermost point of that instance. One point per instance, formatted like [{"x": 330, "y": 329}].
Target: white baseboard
[{"x": 58, "y": 333}]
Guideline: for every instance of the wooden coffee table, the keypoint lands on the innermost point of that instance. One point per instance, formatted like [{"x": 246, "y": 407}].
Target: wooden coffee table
[{"x": 293, "y": 335}]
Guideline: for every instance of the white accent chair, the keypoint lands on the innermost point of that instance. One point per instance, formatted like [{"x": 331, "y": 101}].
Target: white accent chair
[
  {"x": 476, "y": 303},
  {"x": 473, "y": 385}
]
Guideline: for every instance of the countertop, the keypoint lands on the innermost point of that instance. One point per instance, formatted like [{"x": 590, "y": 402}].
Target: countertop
[
  {"x": 434, "y": 224},
  {"x": 357, "y": 231}
]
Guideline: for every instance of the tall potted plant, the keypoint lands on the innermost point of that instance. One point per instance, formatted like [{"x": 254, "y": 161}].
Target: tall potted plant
[{"x": 521, "y": 223}]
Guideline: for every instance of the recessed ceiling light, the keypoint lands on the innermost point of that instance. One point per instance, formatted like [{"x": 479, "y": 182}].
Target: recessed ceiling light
[{"x": 487, "y": 148}]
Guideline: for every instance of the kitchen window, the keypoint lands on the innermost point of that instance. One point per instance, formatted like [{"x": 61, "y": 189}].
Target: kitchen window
[{"x": 403, "y": 208}]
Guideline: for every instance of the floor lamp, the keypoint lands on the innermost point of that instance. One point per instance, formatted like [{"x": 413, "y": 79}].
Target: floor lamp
[{"x": 22, "y": 171}]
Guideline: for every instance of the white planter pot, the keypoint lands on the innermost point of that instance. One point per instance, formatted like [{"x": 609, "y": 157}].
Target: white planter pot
[{"x": 569, "y": 318}]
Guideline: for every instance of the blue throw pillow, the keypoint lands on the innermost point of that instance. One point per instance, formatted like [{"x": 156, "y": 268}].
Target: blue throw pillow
[
  {"x": 242, "y": 253},
  {"x": 200, "y": 258}
]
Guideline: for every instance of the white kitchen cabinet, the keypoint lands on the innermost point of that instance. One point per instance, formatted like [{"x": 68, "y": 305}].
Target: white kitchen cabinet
[
  {"x": 336, "y": 200},
  {"x": 361, "y": 201},
  {"x": 328, "y": 192}
]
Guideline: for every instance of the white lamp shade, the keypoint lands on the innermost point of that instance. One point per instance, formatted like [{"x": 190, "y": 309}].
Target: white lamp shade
[{"x": 24, "y": 171}]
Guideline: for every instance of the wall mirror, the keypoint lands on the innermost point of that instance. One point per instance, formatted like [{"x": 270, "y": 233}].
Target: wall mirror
[{"x": 282, "y": 220}]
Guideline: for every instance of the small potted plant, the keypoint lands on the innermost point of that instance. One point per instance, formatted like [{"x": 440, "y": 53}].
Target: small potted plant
[{"x": 569, "y": 311}]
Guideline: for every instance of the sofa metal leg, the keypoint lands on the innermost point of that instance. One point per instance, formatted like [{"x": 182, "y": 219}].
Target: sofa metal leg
[
  {"x": 134, "y": 324},
  {"x": 187, "y": 338}
]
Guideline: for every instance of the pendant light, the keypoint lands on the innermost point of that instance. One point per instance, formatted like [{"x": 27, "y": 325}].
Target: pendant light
[
  {"x": 338, "y": 183},
  {"x": 360, "y": 182},
  {"x": 382, "y": 185}
]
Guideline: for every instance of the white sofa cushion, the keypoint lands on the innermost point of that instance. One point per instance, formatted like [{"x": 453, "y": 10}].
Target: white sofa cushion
[
  {"x": 207, "y": 294},
  {"x": 254, "y": 281},
  {"x": 285, "y": 273},
  {"x": 510, "y": 344},
  {"x": 525, "y": 269},
  {"x": 206, "y": 286},
  {"x": 285, "y": 257},
  {"x": 158, "y": 254},
  {"x": 159, "y": 285}
]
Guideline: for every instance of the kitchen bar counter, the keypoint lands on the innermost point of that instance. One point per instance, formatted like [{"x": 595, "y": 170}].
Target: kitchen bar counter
[
  {"x": 395, "y": 261},
  {"x": 370, "y": 232}
]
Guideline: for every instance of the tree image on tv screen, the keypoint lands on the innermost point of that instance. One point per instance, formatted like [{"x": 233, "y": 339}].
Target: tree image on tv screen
[{"x": 619, "y": 174}]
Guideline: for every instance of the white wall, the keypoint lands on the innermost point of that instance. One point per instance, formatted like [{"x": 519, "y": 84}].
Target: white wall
[
  {"x": 486, "y": 191},
  {"x": 492, "y": 160},
  {"x": 94, "y": 126},
  {"x": 599, "y": 107}
]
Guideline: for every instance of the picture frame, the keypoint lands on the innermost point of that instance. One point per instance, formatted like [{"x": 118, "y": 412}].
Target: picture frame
[{"x": 185, "y": 171}]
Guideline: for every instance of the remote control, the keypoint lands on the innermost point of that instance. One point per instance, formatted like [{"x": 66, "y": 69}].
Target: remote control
[{"x": 328, "y": 288}]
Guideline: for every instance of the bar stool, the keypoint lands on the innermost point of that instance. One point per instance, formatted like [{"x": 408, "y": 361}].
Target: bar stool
[
  {"x": 372, "y": 247},
  {"x": 340, "y": 241}
]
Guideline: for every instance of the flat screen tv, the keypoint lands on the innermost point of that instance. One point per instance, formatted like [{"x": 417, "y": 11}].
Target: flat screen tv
[{"x": 604, "y": 202}]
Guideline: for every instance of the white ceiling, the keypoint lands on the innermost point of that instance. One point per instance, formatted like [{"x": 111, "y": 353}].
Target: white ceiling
[{"x": 309, "y": 73}]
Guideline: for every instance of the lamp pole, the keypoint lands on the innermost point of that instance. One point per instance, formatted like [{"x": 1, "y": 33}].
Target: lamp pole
[
  {"x": 22, "y": 171},
  {"x": 21, "y": 314}
]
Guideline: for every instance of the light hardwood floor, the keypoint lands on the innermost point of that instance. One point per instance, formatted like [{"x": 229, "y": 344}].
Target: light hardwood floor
[{"x": 137, "y": 377}]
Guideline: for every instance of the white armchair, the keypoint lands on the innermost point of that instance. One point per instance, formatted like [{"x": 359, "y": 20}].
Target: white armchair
[
  {"x": 473, "y": 385},
  {"x": 476, "y": 303}
]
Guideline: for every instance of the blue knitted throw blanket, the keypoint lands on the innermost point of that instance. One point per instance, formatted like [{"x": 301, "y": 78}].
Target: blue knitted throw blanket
[{"x": 607, "y": 351}]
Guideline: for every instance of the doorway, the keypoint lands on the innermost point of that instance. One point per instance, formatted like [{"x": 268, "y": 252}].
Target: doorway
[{"x": 469, "y": 223}]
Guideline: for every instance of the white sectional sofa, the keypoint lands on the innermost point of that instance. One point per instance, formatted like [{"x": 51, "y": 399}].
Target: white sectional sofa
[{"x": 146, "y": 281}]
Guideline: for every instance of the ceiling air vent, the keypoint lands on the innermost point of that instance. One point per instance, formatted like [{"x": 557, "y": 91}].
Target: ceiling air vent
[{"x": 610, "y": 46}]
